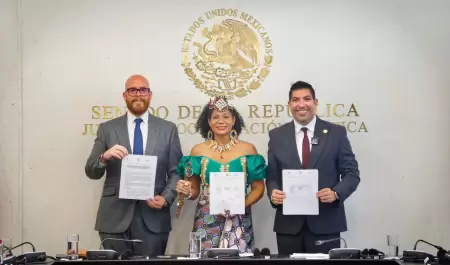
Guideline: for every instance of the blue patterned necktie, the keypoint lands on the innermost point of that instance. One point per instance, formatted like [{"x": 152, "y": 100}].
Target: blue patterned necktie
[{"x": 138, "y": 145}]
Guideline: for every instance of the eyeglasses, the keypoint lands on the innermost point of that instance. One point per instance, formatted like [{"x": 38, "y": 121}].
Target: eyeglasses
[{"x": 132, "y": 91}]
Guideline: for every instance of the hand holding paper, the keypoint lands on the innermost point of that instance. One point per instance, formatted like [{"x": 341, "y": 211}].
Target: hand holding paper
[
  {"x": 326, "y": 195},
  {"x": 157, "y": 202},
  {"x": 117, "y": 151},
  {"x": 278, "y": 196}
]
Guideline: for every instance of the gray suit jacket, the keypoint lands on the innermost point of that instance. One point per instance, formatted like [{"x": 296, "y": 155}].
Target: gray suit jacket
[
  {"x": 338, "y": 170},
  {"x": 114, "y": 215}
]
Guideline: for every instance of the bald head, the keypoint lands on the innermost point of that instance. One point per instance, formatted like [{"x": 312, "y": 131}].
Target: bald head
[{"x": 136, "y": 81}]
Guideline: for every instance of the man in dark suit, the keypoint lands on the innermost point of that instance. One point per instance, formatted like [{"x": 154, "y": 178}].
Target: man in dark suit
[
  {"x": 140, "y": 133},
  {"x": 309, "y": 142}
]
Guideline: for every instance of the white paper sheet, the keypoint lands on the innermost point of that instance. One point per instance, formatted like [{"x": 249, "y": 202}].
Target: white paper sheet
[
  {"x": 137, "y": 179},
  {"x": 300, "y": 187},
  {"x": 310, "y": 256},
  {"x": 227, "y": 192}
]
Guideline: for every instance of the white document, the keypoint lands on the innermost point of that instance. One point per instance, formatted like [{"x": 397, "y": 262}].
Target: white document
[
  {"x": 300, "y": 187},
  {"x": 309, "y": 256},
  {"x": 227, "y": 192},
  {"x": 137, "y": 177}
]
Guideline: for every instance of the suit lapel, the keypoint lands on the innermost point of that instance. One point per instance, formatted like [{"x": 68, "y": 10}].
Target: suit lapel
[
  {"x": 292, "y": 145},
  {"x": 317, "y": 149},
  {"x": 122, "y": 133},
  {"x": 151, "y": 141}
]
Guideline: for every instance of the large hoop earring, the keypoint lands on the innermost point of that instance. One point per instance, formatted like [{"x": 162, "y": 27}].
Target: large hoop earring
[
  {"x": 210, "y": 135},
  {"x": 233, "y": 134}
]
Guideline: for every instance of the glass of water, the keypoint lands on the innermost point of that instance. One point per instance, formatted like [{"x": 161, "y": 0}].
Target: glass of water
[
  {"x": 393, "y": 243},
  {"x": 195, "y": 245},
  {"x": 5, "y": 248},
  {"x": 72, "y": 246},
  {"x": 7, "y": 245}
]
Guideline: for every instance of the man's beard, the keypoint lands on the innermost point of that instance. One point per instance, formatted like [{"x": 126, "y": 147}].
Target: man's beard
[{"x": 138, "y": 111}]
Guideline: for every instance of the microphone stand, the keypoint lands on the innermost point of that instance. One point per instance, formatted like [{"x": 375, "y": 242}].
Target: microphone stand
[
  {"x": 428, "y": 243},
  {"x": 442, "y": 255},
  {"x": 132, "y": 241},
  {"x": 341, "y": 253},
  {"x": 320, "y": 242}
]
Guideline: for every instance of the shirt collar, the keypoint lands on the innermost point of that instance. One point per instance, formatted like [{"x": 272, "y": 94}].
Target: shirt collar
[
  {"x": 310, "y": 126},
  {"x": 131, "y": 117}
]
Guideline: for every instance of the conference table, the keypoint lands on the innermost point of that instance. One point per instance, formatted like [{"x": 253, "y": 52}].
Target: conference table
[{"x": 236, "y": 261}]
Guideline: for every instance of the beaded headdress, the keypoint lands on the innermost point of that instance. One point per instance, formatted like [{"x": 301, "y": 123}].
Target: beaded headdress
[{"x": 220, "y": 103}]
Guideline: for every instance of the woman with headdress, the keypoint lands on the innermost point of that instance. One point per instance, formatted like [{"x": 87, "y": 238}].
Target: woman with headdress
[{"x": 220, "y": 125}]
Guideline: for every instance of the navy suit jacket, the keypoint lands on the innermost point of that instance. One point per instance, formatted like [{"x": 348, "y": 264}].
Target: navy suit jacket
[{"x": 338, "y": 170}]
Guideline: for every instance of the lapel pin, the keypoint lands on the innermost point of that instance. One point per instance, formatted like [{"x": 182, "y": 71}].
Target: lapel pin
[
  {"x": 325, "y": 131},
  {"x": 314, "y": 140}
]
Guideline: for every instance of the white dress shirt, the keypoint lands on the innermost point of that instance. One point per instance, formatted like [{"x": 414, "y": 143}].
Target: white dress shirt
[
  {"x": 299, "y": 138},
  {"x": 299, "y": 135},
  {"x": 131, "y": 124}
]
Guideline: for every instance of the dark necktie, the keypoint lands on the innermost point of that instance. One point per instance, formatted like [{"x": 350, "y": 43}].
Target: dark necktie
[
  {"x": 305, "y": 148},
  {"x": 138, "y": 145}
]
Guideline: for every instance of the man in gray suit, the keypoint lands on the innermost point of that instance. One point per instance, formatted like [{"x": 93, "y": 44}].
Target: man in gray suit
[
  {"x": 137, "y": 132},
  {"x": 309, "y": 142}
]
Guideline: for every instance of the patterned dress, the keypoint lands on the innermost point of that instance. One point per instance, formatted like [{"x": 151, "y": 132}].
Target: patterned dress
[{"x": 217, "y": 231}]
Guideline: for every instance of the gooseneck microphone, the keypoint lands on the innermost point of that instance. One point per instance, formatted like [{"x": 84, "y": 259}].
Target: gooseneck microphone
[
  {"x": 25, "y": 243},
  {"x": 442, "y": 255},
  {"x": 341, "y": 253},
  {"x": 428, "y": 243},
  {"x": 119, "y": 239},
  {"x": 320, "y": 242},
  {"x": 109, "y": 254},
  {"x": 446, "y": 257}
]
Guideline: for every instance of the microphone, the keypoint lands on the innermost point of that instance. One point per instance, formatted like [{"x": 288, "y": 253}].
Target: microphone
[
  {"x": 21, "y": 244},
  {"x": 119, "y": 239},
  {"x": 442, "y": 255},
  {"x": 265, "y": 252},
  {"x": 28, "y": 257},
  {"x": 320, "y": 242},
  {"x": 10, "y": 260},
  {"x": 341, "y": 253},
  {"x": 109, "y": 254},
  {"x": 428, "y": 243},
  {"x": 445, "y": 259}
]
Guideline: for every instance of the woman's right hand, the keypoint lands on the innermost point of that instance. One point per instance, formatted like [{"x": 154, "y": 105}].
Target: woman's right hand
[{"x": 184, "y": 187}]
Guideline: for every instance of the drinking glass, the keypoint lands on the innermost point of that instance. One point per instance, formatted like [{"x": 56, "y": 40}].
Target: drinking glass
[
  {"x": 5, "y": 248},
  {"x": 195, "y": 245},
  {"x": 72, "y": 246},
  {"x": 393, "y": 243}
]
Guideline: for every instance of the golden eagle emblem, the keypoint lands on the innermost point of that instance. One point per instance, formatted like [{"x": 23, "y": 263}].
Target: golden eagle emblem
[{"x": 226, "y": 59}]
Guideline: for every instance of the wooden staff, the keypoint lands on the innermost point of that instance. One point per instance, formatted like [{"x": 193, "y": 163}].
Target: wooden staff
[{"x": 187, "y": 176}]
